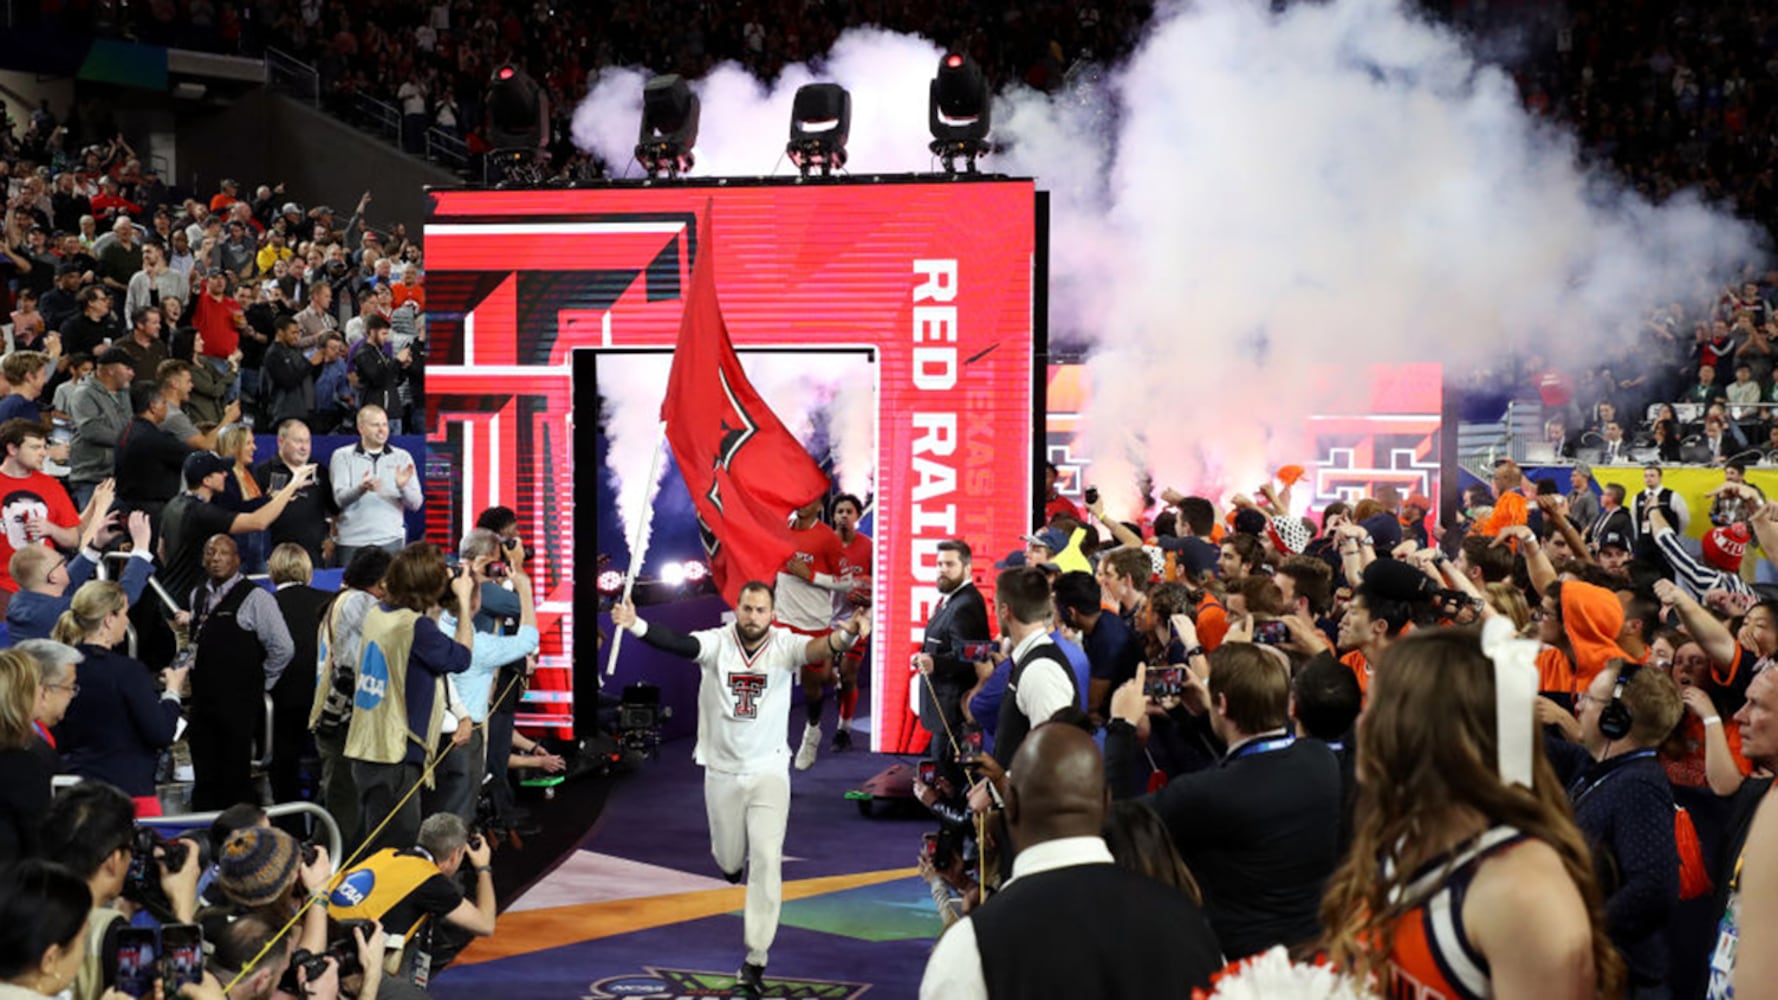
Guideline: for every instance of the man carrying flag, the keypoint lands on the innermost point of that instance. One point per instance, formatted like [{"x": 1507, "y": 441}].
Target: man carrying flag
[{"x": 746, "y": 474}]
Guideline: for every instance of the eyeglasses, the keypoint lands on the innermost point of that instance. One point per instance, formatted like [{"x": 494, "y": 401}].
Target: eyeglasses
[{"x": 72, "y": 689}]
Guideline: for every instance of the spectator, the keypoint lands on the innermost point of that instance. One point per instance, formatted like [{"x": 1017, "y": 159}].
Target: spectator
[
  {"x": 115, "y": 730},
  {"x": 121, "y": 258},
  {"x": 94, "y": 328},
  {"x": 24, "y": 774},
  {"x": 204, "y": 402},
  {"x": 1112, "y": 647},
  {"x": 47, "y": 582},
  {"x": 1071, "y": 922},
  {"x": 28, "y": 328},
  {"x": 308, "y": 520},
  {"x": 178, "y": 381},
  {"x": 219, "y": 318},
  {"x": 241, "y": 493},
  {"x": 335, "y": 399},
  {"x": 56, "y": 664},
  {"x": 192, "y": 518},
  {"x": 374, "y": 484},
  {"x": 302, "y": 608},
  {"x": 1274, "y": 840},
  {"x": 100, "y": 411},
  {"x": 390, "y": 737},
  {"x": 61, "y": 304},
  {"x": 80, "y": 372},
  {"x": 155, "y": 283},
  {"x": 37, "y": 510},
  {"x": 145, "y": 345},
  {"x": 409, "y": 289},
  {"x": 289, "y": 376},
  {"x": 27, "y": 372},
  {"x": 317, "y": 318},
  {"x": 243, "y": 647},
  {"x": 149, "y": 460},
  {"x": 43, "y": 910},
  {"x": 379, "y": 370}
]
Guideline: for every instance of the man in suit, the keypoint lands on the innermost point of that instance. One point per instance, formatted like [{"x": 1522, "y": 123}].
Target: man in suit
[
  {"x": 1613, "y": 517},
  {"x": 1261, "y": 828},
  {"x": 960, "y": 616},
  {"x": 1616, "y": 449}
]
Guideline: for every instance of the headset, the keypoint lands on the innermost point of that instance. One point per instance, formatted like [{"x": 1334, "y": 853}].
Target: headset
[{"x": 1615, "y": 719}]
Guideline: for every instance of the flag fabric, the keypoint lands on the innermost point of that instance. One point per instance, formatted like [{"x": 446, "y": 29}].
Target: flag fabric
[{"x": 745, "y": 472}]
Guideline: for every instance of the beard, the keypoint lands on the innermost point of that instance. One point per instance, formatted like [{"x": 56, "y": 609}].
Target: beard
[
  {"x": 751, "y": 633},
  {"x": 948, "y": 584}
]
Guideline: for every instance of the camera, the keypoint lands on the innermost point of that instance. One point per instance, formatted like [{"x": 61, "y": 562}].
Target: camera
[
  {"x": 342, "y": 947},
  {"x": 498, "y": 570},
  {"x": 142, "y": 883},
  {"x": 1092, "y": 495},
  {"x": 1164, "y": 682}
]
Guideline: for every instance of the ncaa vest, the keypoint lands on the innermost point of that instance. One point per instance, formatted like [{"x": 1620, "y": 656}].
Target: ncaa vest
[
  {"x": 380, "y": 729},
  {"x": 382, "y": 882},
  {"x": 1013, "y": 726}
]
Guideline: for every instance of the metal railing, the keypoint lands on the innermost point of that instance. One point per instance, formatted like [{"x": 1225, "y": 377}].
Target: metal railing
[
  {"x": 446, "y": 148},
  {"x": 290, "y": 75},
  {"x": 184, "y": 822}
]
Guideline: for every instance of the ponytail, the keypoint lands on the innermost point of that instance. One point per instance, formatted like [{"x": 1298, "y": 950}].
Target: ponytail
[{"x": 68, "y": 630}]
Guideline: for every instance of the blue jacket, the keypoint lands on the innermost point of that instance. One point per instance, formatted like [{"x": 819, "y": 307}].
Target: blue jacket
[
  {"x": 118, "y": 724},
  {"x": 33, "y": 616}
]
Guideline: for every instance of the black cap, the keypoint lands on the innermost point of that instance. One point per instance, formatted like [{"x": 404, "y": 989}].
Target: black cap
[
  {"x": 1616, "y": 539},
  {"x": 200, "y": 465},
  {"x": 115, "y": 356},
  {"x": 1393, "y": 580}
]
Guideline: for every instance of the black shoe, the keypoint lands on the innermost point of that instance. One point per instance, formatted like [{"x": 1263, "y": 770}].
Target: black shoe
[
  {"x": 842, "y": 740},
  {"x": 734, "y": 877},
  {"x": 751, "y": 981}
]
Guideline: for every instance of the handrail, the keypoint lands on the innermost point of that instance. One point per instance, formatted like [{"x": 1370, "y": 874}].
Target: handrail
[
  {"x": 193, "y": 821},
  {"x": 282, "y": 65}
]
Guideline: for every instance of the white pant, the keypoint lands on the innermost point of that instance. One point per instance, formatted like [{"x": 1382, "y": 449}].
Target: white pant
[{"x": 748, "y": 814}]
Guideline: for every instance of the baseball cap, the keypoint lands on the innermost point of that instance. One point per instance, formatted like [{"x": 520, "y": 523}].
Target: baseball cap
[
  {"x": 1049, "y": 538},
  {"x": 229, "y": 182},
  {"x": 291, "y": 208},
  {"x": 200, "y": 465},
  {"x": 115, "y": 356},
  {"x": 1419, "y": 500},
  {"x": 1614, "y": 539}
]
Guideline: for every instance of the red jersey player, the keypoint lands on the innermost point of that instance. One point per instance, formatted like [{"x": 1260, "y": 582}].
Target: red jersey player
[
  {"x": 804, "y": 593},
  {"x": 855, "y": 565}
]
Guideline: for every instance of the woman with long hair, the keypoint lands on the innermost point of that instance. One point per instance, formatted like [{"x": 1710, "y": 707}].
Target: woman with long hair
[
  {"x": 1467, "y": 876},
  {"x": 1139, "y": 840},
  {"x": 1666, "y": 441},
  {"x": 43, "y": 913},
  {"x": 25, "y": 774},
  {"x": 241, "y": 493},
  {"x": 119, "y": 723}
]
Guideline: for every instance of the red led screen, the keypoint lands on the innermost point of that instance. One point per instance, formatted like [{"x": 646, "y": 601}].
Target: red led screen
[{"x": 935, "y": 277}]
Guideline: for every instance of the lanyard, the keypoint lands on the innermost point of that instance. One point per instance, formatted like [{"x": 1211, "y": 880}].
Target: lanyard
[
  {"x": 1582, "y": 793},
  {"x": 1336, "y": 745},
  {"x": 1255, "y": 749}
]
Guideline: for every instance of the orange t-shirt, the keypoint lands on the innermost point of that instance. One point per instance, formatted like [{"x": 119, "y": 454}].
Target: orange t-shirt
[
  {"x": 1360, "y": 667},
  {"x": 1213, "y": 623},
  {"x": 405, "y": 293}
]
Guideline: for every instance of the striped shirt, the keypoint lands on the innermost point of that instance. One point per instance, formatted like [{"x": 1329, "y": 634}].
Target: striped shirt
[{"x": 1694, "y": 576}]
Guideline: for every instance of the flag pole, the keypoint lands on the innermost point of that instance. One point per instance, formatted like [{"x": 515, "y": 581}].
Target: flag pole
[{"x": 639, "y": 537}]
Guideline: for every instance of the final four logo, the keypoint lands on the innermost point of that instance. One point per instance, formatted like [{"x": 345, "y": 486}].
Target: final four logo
[{"x": 683, "y": 984}]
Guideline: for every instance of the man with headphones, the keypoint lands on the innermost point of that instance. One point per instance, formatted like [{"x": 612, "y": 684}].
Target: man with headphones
[{"x": 1624, "y": 806}]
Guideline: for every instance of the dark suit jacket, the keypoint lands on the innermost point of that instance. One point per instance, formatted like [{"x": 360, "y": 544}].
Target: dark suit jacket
[
  {"x": 1618, "y": 520},
  {"x": 301, "y": 607},
  {"x": 963, "y": 617}
]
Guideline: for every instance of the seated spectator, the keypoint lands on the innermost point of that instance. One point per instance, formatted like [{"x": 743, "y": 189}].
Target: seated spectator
[
  {"x": 47, "y": 582},
  {"x": 28, "y": 327},
  {"x": 43, "y": 917}
]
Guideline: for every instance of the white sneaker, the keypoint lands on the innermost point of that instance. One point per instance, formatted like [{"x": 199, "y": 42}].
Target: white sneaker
[{"x": 805, "y": 754}]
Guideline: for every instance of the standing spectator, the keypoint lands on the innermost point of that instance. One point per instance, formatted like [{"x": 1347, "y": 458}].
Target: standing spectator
[
  {"x": 1071, "y": 922},
  {"x": 100, "y": 411},
  {"x": 219, "y": 318},
  {"x": 24, "y": 774},
  {"x": 154, "y": 283},
  {"x": 227, "y": 193},
  {"x": 379, "y": 374},
  {"x": 28, "y": 328},
  {"x": 238, "y": 251},
  {"x": 117, "y": 726},
  {"x": 209, "y": 386},
  {"x": 121, "y": 258},
  {"x": 302, "y": 608},
  {"x": 94, "y": 328},
  {"x": 80, "y": 372},
  {"x": 37, "y": 509},
  {"x": 1112, "y": 647},
  {"x": 179, "y": 256},
  {"x": 241, "y": 492},
  {"x": 392, "y": 733},
  {"x": 317, "y": 318},
  {"x": 192, "y": 519},
  {"x": 44, "y": 908},
  {"x": 412, "y": 96},
  {"x": 288, "y": 381},
  {"x": 341, "y": 641},
  {"x": 61, "y": 304},
  {"x": 275, "y": 250},
  {"x": 243, "y": 647},
  {"x": 1583, "y": 505},
  {"x": 178, "y": 382},
  {"x": 47, "y": 582},
  {"x": 149, "y": 460},
  {"x": 57, "y": 663},
  {"x": 335, "y": 399},
  {"x": 375, "y": 484},
  {"x": 145, "y": 345},
  {"x": 27, "y": 372},
  {"x": 308, "y": 520}
]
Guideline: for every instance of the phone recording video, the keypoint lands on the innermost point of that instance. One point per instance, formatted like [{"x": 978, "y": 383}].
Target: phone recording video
[
  {"x": 182, "y": 956},
  {"x": 1164, "y": 682},
  {"x": 135, "y": 955},
  {"x": 1271, "y": 633}
]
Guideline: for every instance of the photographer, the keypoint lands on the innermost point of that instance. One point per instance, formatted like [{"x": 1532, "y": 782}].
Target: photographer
[
  {"x": 93, "y": 826},
  {"x": 263, "y": 870},
  {"x": 459, "y": 776},
  {"x": 414, "y": 894},
  {"x": 400, "y": 702}
]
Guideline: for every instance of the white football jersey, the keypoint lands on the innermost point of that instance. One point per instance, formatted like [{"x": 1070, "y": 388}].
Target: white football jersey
[{"x": 744, "y": 701}]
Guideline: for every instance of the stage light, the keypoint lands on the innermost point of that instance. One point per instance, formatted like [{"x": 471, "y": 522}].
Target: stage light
[
  {"x": 669, "y": 127},
  {"x": 958, "y": 112},
  {"x": 820, "y": 123},
  {"x": 611, "y": 583},
  {"x": 517, "y": 113},
  {"x": 673, "y": 574},
  {"x": 696, "y": 572}
]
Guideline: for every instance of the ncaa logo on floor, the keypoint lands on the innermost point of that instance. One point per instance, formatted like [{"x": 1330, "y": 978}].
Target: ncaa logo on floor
[{"x": 684, "y": 984}]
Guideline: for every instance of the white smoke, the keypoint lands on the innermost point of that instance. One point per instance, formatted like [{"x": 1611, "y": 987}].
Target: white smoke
[
  {"x": 838, "y": 387},
  {"x": 1254, "y": 196}
]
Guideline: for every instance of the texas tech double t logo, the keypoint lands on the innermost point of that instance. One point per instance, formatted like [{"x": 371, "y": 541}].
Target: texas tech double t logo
[{"x": 746, "y": 689}]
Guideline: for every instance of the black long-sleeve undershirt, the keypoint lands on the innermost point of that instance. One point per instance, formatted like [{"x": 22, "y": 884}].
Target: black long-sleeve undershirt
[{"x": 665, "y": 639}]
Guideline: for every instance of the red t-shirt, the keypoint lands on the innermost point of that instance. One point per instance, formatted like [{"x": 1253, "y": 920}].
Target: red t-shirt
[
  {"x": 1060, "y": 504},
  {"x": 855, "y": 560},
  {"x": 801, "y": 604},
  {"x": 404, "y": 293},
  {"x": 215, "y": 320},
  {"x": 36, "y": 495}
]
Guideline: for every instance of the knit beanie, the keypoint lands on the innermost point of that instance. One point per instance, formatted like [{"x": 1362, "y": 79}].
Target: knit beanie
[
  {"x": 1724, "y": 547},
  {"x": 257, "y": 865}
]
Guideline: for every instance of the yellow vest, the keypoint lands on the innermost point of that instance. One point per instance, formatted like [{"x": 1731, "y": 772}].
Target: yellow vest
[
  {"x": 380, "y": 728},
  {"x": 372, "y": 889}
]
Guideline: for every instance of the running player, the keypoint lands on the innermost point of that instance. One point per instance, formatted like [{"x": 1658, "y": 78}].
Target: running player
[
  {"x": 743, "y": 717},
  {"x": 805, "y": 593},
  {"x": 855, "y": 565}
]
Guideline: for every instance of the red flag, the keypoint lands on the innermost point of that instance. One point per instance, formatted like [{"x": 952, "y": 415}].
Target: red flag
[{"x": 746, "y": 473}]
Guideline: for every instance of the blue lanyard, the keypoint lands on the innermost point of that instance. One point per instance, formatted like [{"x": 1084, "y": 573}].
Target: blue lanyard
[
  {"x": 1607, "y": 776},
  {"x": 1336, "y": 745},
  {"x": 1255, "y": 749}
]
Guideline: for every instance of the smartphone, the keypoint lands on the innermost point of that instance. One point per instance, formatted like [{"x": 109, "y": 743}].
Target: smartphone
[
  {"x": 182, "y": 956},
  {"x": 929, "y": 846},
  {"x": 928, "y": 772},
  {"x": 1271, "y": 633},
  {"x": 1164, "y": 682},
  {"x": 969, "y": 748},
  {"x": 136, "y": 956}
]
